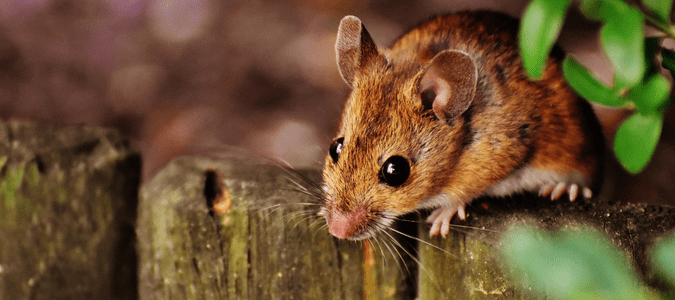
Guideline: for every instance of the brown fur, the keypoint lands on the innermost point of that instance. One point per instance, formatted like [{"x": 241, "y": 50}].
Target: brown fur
[{"x": 511, "y": 122}]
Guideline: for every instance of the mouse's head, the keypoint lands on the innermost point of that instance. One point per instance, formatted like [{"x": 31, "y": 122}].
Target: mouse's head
[{"x": 400, "y": 133}]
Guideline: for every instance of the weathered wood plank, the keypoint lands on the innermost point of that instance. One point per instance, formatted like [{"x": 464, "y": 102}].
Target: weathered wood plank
[
  {"x": 67, "y": 209},
  {"x": 268, "y": 245},
  {"x": 67, "y": 199},
  {"x": 472, "y": 266}
]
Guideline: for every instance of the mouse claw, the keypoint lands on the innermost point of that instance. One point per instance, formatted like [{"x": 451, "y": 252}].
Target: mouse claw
[
  {"x": 440, "y": 218},
  {"x": 573, "y": 191},
  {"x": 588, "y": 194},
  {"x": 555, "y": 191},
  {"x": 546, "y": 190},
  {"x": 558, "y": 191}
]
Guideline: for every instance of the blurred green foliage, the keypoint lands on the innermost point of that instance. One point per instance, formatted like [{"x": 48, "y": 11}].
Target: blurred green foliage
[
  {"x": 637, "y": 82},
  {"x": 582, "y": 264}
]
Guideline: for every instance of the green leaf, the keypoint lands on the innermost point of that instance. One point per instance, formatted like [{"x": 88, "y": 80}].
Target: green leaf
[
  {"x": 571, "y": 264},
  {"x": 587, "y": 86},
  {"x": 623, "y": 40},
  {"x": 539, "y": 30},
  {"x": 603, "y": 10},
  {"x": 663, "y": 260},
  {"x": 594, "y": 9},
  {"x": 661, "y": 8},
  {"x": 668, "y": 59},
  {"x": 636, "y": 140},
  {"x": 652, "y": 94}
]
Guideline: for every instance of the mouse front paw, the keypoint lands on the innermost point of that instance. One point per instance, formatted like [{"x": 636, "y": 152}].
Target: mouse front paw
[
  {"x": 440, "y": 218},
  {"x": 557, "y": 190}
]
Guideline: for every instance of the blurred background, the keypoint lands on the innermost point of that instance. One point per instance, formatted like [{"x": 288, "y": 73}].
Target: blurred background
[{"x": 190, "y": 76}]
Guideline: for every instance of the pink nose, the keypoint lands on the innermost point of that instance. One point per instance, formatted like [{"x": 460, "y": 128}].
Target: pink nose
[{"x": 344, "y": 225}]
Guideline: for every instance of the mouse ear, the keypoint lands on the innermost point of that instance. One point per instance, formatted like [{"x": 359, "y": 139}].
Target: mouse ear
[
  {"x": 449, "y": 84},
  {"x": 354, "y": 48}
]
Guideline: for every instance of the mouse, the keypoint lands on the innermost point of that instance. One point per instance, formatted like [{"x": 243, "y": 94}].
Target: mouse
[{"x": 445, "y": 115}]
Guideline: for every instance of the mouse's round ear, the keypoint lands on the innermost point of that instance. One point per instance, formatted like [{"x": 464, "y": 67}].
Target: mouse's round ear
[
  {"x": 448, "y": 85},
  {"x": 354, "y": 48}
]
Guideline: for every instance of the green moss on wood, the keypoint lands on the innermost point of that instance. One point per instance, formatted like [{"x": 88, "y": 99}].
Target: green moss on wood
[
  {"x": 270, "y": 245},
  {"x": 65, "y": 231}
]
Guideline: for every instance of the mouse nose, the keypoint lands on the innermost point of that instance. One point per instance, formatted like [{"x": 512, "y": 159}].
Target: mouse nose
[{"x": 344, "y": 225}]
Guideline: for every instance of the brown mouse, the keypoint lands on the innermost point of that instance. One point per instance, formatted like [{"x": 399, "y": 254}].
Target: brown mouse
[{"x": 445, "y": 115}]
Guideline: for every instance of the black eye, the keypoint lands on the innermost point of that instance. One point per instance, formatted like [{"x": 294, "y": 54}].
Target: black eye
[
  {"x": 336, "y": 149},
  {"x": 395, "y": 171}
]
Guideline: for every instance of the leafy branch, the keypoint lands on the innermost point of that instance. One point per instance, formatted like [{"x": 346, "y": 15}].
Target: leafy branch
[
  {"x": 637, "y": 81},
  {"x": 583, "y": 264}
]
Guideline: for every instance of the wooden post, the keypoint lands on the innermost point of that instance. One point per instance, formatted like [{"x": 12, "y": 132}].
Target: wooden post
[
  {"x": 225, "y": 229},
  {"x": 267, "y": 243},
  {"x": 67, "y": 209},
  {"x": 470, "y": 264}
]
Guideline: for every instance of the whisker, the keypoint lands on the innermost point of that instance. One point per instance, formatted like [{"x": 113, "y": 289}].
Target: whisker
[
  {"x": 415, "y": 259},
  {"x": 323, "y": 227},
  {"x": 271, "y": 208},
  {"x": 216, "y": 149},
  {"x": 275, "y": 207},
  {"x": 300, "y": 186},
  {"x": 384, "y": 258},
  {"x": 316, "y": 221},
  {"x": 289, "y": 169},
  {"x": 472, "y": 227},
  {"x": 305, "y": 218},
  {"x": 268, "y": 211},
  {"x": 396, "y": 254},
  {"x": 308, "y": 193},
  {"x": 298, "y": 215},
  {"x": 399, "y": 219},
  {"x": 396, "y": 245},
  {"x": 298, "y": 183},
  {"x": 423, "y": 242},
  {"x": 295, "y": 190}
]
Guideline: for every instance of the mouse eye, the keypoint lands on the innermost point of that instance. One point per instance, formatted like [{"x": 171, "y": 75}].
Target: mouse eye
[
  {"x": 395, "y": 171},
  {"x": 336, "y": 149}
]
